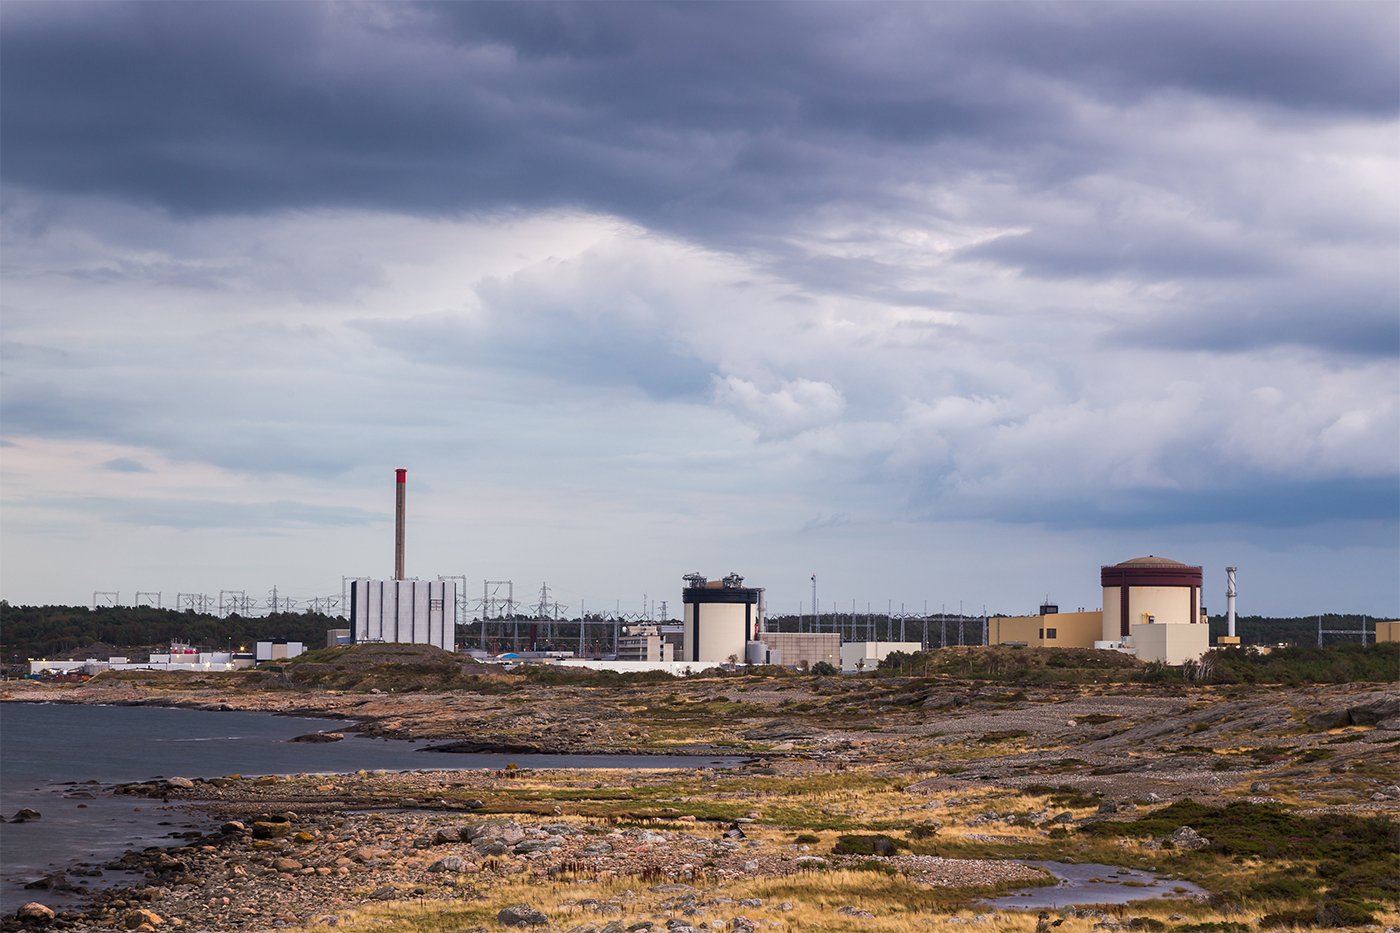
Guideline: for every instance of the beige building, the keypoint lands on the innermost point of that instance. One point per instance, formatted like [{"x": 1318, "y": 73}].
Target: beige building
[
  {"x": 867, "y": 655},
  {"x": 802, "y": 649},
  {"x": 1149, "y": 591},
  {"x": 1153, "y": 606},
  {"x": 1051, "y": 630},
  {"x": 721, "y": 617},
  {"x": 1387, "y": 631},
  {"x": 1170, "y": 643}
]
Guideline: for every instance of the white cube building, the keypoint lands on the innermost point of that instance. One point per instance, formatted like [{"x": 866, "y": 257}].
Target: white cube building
[{"x": 416, "y": 612}]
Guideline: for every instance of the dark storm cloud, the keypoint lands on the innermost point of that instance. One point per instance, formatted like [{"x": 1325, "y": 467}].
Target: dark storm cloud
[
  {"x": 690, "y": 117},
  {"x": 1359, "y": 318},
  {"x": 1108, "y": 250},
  {"x": 1254, "y": 502}
]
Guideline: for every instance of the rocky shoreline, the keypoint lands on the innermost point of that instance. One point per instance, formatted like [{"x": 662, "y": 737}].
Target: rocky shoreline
[
  {"x": 270, "y": 866},
  {"x": 960, "y": 780}
]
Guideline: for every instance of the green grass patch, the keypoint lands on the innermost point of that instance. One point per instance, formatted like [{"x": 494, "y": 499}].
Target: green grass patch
[{"x": 1348, "y": 857}]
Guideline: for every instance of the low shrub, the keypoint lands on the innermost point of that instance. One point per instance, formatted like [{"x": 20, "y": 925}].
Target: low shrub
[{"x": 876, "y": 844}]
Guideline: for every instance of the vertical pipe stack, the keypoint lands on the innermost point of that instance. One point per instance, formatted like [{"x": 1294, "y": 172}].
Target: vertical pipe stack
[
  {"x": 1230, "y": 598},
  {"x": 400, "y": 482}
]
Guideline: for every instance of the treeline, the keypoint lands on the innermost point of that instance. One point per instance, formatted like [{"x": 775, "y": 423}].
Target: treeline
[
  {"x": 1267, "y": 630},
  {"x": 1295, "y": 666},
  {"x": 48, "y": 631}
]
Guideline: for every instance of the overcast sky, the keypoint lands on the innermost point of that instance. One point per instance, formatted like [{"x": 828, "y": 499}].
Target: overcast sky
[{"x": 942, "y": 302}]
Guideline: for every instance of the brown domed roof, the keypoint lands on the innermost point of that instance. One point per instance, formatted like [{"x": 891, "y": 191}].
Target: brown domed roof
[{"x": 1151, "y": 561}]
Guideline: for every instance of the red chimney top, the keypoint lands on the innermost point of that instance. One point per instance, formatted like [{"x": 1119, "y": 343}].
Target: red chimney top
[{"x": 401, "y": 476}]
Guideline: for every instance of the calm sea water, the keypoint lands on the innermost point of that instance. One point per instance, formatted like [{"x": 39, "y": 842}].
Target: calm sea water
[{"x": 62, "y": 759}]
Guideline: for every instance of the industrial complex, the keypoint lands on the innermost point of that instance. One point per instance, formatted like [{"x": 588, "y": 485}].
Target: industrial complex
[{"x": 1152, "y": 609}]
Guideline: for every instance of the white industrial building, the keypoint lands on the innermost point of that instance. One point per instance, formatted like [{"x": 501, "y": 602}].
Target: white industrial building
[
  {"x": 278, "y": 650},
  {"x": 721, "y": 618},
  {"x": 651, "y": 641},
  {"x": 180, "y": 657},
  {"x": 417, "y": 612},
  {"x": 867, "y": 655}
]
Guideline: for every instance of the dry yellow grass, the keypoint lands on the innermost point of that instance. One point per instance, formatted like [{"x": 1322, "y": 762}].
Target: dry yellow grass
[{"x": 804, "y": 903}]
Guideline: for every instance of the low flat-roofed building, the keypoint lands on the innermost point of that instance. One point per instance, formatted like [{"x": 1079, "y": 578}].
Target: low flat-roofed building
[
  {"x": 867, "y": 655},
  {"x": 650, "y": 642},
  {"x": 803, "y": 649},
  {"x": 1171, "y": 642},
  {"x": 1049, "y": 630},
  {"x": 279, "y": 650}
]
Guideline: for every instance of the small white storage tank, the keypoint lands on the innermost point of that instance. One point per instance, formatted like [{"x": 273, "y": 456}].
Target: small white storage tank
[{"x": 721, "y": 618}]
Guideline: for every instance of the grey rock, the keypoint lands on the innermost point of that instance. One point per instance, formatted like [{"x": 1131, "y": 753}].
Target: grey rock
[
  {"x": 1259, "y": 787},
  {"x": 527, "y": 846},
  {"x": 1187, "y": 838},
  {"x": 25, "y": 815},
  {"x": 450, "y": 863},
  {"x": 447, "y": 834},
  {"x": 1108, "y": 806},
  {"x": 521, "y": 915},
  {"x": 506, "y": 830},
  {"x": 742, "y": 925},
  {"x": 1065, "y": 817},
  {"x": 183, "y": 783},
  {"x": 751, "y": 902},
  {"x": 1329, "y": 719},
  {"x": 854, "y": 912},
  {"x": 1369, "y": 714}
]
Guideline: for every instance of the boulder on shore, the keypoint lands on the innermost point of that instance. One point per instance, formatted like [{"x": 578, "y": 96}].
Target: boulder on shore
[
  {"x": 24, "y": 815},
  {"x": 34, "y": 911}
]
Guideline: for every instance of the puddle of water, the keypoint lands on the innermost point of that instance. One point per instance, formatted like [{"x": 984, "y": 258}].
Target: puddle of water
[{"x": 1079, "y": 885}]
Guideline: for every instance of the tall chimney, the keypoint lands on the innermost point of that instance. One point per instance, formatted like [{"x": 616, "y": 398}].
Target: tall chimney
[
  {"x": 400, "y": 483},
  {"x": 1230, "y": 598}
]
